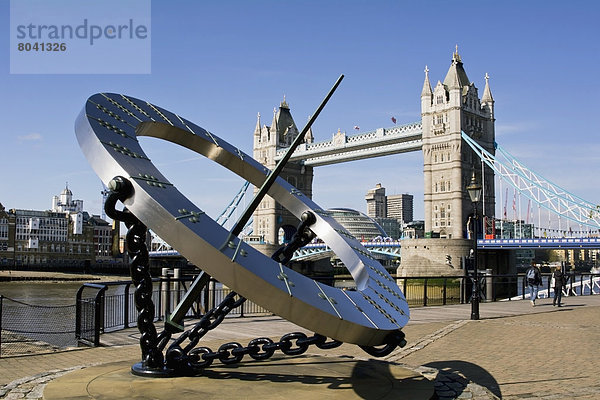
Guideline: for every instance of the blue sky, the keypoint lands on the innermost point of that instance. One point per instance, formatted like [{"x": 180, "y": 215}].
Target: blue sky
[{"x": 220, "y": 63}]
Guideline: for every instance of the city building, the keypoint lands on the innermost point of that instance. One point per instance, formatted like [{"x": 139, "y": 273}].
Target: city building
[
  {"x": 65, "y": 203},
  {"x": 102, "y": 238},
  {"x": 359, "y": 225},
  {"x": 376, "y": 202},
  {"x": 400, "y": 207},
  {"x": 391, "y": 226},
  {"x": 413, "y": 230},
  {"x": 4, "y": 235},
  {"x": 505, "y": 229},
  {"x": 391, "y": 212},
  {"x": 63, "y": 237}
]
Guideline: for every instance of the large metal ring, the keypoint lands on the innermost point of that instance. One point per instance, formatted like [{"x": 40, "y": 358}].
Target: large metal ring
[{"x": 107, "y": 129}]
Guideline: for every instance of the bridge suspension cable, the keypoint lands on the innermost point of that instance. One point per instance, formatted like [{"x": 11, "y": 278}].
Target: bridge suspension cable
[
  {"x": 232, "y": 206},
  {"x": 160, "y": 245},
  {"x": 536, "y": 188}
]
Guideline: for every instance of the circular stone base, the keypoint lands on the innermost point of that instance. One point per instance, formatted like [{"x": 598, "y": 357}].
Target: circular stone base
[{"x": 303, "y": 377}]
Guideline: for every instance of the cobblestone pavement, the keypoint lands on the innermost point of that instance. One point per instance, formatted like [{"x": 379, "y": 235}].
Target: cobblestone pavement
[
  {"x": 546, "y": 355},
  {"x": 514, "y": 352}
]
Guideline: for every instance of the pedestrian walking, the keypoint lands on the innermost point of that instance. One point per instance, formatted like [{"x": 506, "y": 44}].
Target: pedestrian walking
[
  {"x": 533, "y": 277},
  {"x": 560, "y": 281}
]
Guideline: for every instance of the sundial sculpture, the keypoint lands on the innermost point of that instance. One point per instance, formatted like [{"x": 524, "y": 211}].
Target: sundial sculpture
[{"x": 372, "y": 315}]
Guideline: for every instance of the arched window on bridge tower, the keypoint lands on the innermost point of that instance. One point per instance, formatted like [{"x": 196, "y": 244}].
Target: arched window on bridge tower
[{"x": 292, "y": 181}]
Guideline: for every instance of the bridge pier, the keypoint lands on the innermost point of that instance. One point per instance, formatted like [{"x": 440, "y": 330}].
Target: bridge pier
[{"x": 435, "y": 257}]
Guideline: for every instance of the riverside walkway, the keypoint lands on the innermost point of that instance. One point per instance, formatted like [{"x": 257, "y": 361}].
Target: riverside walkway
[{"x": 515, "y": 351}]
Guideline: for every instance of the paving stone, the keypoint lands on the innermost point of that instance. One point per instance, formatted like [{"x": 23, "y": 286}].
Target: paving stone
[
  {"x": 14, "y": 396},
  {"x": 36, "y": 393}
]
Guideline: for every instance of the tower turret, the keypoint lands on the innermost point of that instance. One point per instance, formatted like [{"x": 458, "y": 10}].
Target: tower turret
[
  {"x": 426, "y": 93},
  {"x": 257, "y": 132},
  {"x": 487, "y": 101}
]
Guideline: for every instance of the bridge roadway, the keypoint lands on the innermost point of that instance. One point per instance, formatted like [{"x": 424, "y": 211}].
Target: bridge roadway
[
  {"x": 342, "y": 148},
  {"x": 392, "y": 249},
  {"x": 540, "y": 243},
  {"x": 514, "y": 352}
]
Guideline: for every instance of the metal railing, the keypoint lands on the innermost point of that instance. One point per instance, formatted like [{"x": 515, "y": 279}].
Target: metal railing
[
  {"x": 111, "y": 306},
  {"x": 26, "y": 328},
  {"x": 108, "y": 307}
]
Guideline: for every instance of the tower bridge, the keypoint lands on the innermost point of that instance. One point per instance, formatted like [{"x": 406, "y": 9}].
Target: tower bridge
[
  {"x": 456, "y": 136},
  {"x": 448, "y": 108}
]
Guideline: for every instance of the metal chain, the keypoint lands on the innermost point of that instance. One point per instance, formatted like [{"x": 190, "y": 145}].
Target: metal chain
[
  {"x": 301, "y": 237},
  {"x": 151, "y": 343},
  {"x": 180, "y": 358},
  {"x": 191, "y": 359}
]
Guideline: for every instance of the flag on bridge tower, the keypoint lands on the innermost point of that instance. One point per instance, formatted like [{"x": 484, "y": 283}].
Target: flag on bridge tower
[{"x": 394, "y": 119}]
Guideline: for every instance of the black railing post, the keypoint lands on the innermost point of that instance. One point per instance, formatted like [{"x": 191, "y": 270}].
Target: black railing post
[
  {"x": 242, "y": 309},
  {"x": 214, "y": 294},
  {"x": 571, "y": 279},
  {"x": 465, "y": 281},
  {"x": 78, "y": 313},
  {"x": 126, "y": 307},
  {"x": 98, "y": 315},
  {"x": 444, "y": 291},
  {"x": 103, "y": 310},
  {"x": 425, "y": 293}
]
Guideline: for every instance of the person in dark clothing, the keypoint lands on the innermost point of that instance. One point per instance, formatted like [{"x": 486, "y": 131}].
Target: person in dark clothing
[
  {"x": 533, "y": 278},
  {"x": 559, "y": 283}
]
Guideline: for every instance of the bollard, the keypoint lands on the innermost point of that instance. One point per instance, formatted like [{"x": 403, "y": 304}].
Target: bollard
[
  {"x": 489, "y": 285},
  {"x": 165, "y": 294},
  {"x": 176, "y": 285}
]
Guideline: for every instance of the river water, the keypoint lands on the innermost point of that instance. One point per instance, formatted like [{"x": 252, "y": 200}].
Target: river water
[{"x": 41, "y": 293}]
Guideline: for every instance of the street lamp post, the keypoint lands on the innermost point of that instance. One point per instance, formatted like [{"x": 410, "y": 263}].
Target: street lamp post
[{"x": 474, "y": 190}]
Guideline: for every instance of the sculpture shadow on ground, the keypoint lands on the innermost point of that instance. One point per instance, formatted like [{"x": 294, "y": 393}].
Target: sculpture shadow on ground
[
  {"x": 368, "y": 380},
  {"x": 457, "y": 373}
]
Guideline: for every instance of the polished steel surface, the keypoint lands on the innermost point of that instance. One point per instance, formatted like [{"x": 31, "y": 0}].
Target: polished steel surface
[{"x": 107, "y": 130}]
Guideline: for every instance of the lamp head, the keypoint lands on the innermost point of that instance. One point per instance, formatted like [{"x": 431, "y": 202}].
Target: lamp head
[{"x": 474, "y": 189}]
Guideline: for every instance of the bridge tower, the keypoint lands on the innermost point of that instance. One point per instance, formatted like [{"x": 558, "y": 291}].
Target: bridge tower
[
  {"x": 270, "y": 217},
  {"x": 448, "y": 163}
]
